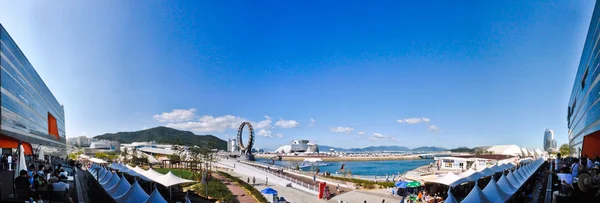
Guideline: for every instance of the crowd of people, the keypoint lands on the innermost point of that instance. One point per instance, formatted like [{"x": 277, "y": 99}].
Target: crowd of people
[
  {"x": 44, "y": 182},
  {"x": 586, "y": 168}
]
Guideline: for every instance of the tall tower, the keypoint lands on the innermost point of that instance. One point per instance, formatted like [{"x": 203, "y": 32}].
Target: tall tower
[{"x": 549, "y": 142}]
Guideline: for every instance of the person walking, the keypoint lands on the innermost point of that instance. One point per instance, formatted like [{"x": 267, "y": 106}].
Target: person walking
[
  {"x": 267, "y": 181},
  {"x": 315, "y": 178},
  {"x": 337, "y": 187},
  {"x": 253, "y": 180},
  {"x": 248, "y": 180}
]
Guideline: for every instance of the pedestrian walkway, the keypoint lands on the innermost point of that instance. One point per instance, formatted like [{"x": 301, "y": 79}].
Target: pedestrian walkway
[{"x": 240, "y": 194}]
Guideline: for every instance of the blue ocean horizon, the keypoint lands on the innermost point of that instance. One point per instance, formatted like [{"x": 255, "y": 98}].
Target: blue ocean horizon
[{"x": 379, "y": 168}]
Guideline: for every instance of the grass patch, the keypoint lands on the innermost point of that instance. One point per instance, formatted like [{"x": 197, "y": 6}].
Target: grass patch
[
  {"x": 253, "y": 191},
  {"x": 367, "y": 184},
  {"x": 216, "y": 190},
  {"x": 181, "y": 173}
]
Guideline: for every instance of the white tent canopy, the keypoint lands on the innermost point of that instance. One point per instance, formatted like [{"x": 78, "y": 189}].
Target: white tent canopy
[
  {"x": 169, "y": 180},
  {"x": 449, "y": 179},
  {"x": 496, "y": 168},
  {"x": 106, "y": 178},
  {"x": 155, "y": 197},
  {"x": 96, "y": 160},
  {"x": 119, "y": 189},
  {"x": 135, "y": 194},
  {"x": 112, "y": 182},
  {"x": 476, "y": 195},
  {"x": 487, "y": 171},
  {"x": 511, "y": 178},
  {"x": 41, "y": 154},
  {"x": 494, "y": 193},
  {"x": 505, "y": 185},
  {"x": 21, "y": 165},
  {"x": 450, "y": 198}
]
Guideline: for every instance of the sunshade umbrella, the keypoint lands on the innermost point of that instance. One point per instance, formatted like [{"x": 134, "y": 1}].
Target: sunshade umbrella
[
  {"x": 269, "y": 191},
  {"x": 413, "y": 184},
  {"x": 401, "y": 184}
]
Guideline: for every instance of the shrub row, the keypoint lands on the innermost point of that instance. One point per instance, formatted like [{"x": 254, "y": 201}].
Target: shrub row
[
  {"x": 216, "y": 190},
  {"x": 364, "y": 183},
  {"x": 253, "y": 191}
]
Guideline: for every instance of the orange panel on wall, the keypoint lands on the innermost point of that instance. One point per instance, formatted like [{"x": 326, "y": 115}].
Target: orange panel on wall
[
  {"x": 52, "y": 127},
  {"x": 9, "y": 142},
  {"x": 591, "y": 145}
]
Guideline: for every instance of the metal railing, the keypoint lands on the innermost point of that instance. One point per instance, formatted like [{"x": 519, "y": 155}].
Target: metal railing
[
  {"x": 313, "y": 187},
  {"x": 548, "y": 196}
]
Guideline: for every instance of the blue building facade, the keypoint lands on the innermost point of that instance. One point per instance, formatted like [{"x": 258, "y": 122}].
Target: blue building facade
[
  {"x": 30, "y": 112},
  {"x": 583, "y": 112}
]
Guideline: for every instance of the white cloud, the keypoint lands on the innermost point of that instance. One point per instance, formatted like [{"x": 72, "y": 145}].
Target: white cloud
[
  {"x": 279, "y": 135},
  {"x": 414, "y": 120},
  {"x": 287, "y": 124},
  {"x": 312, "y": 122},
  {"x": 361, "y": 133},
  {"x": 265, "y": 133},
  {"x": 342, "y": 130},
  {"x": 264, "y": 124},
  {"x": 434, "y": 129},
  {"x": 177, "y": 115},
  {"x": 210, "y": 124},
  {"x": 377, "y": 136}
]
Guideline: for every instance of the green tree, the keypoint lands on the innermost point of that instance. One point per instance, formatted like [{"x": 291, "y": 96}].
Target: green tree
[
  {"x": 101, "y": 155},
  {"x": 565, "y": 150}
]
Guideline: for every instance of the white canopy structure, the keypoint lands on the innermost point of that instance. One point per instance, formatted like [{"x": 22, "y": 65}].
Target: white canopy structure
[
  {"x": 487, "y": 171},
  {"x": 112, "y": 182},
  {"x": 449, "y": 179},
  {"x": 103, "y": 173},
  {"x": 512, "y": 150},
  {"x": 135, "y": 194},
  {"x": 119, "y": 189},
  {"x": 476, "y": 195},
  {"x": 155, "y": 197},
  {"x": 21, "y": 164},
  {"x": 494, "y": 193},
  {"x": 450, "y": 198},
  {"x": 169, "y": 180},
  {"x": 505, "y": 185},
  {"x": 468, "y": 176},
  {"x": 518, "y": 176},
  {"x": 123, "y": 192},
  {"x": 41, "y": 154},
  {"x": 511, "y": 178},
  {"x": 106, "y": 178},
  {"x": 100, "y": 161},
  {"x": 496, "y": 168}
]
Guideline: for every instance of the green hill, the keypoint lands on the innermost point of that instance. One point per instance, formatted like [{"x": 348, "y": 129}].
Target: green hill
[{"x": 163, "y": 135}]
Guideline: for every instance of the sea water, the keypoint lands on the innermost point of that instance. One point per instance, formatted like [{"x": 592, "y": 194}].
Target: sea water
[{"x": 379, "y": 168}]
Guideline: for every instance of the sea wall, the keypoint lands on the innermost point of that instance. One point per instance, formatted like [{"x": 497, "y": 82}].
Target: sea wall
[{"x": 340, "y": 158}]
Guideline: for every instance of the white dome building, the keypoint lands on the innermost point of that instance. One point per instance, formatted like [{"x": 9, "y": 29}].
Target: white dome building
[{"x": 298, "y": 146}]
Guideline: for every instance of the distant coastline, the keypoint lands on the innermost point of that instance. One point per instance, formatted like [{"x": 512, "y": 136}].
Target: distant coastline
[{"x": 338, "y": 158}]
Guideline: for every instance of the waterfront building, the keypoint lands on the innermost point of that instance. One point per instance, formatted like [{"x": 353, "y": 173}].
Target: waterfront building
[
  {"x": 298, "y": 146},
  {"x": 30, "y": 112},
  {"x": 549, "y": 141},
  {"x": 583, "y": 119},
  {"x": 472, "y": 161}
]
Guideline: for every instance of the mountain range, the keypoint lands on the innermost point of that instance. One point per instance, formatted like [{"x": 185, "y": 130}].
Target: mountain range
[
  {"x": 324, "y": 148},
  {"x": 163, "y": 135}
]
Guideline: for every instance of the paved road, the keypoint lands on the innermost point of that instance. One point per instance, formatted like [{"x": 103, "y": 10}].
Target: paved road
[{"x": 239, "y": 192}]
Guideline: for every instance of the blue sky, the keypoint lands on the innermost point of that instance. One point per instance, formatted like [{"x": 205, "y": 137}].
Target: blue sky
[{"x": 441, "y": 73}]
